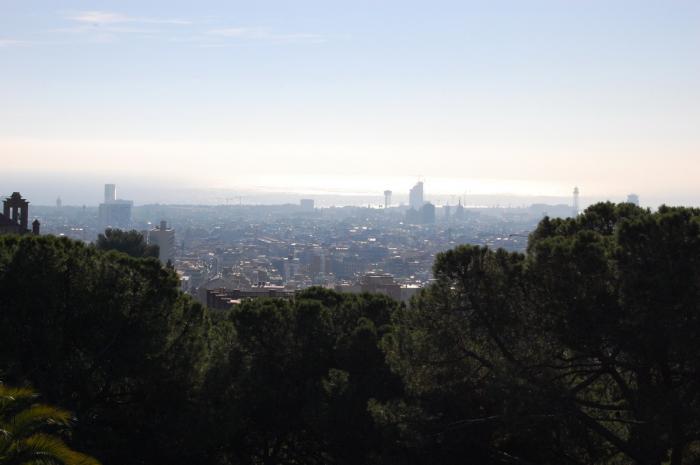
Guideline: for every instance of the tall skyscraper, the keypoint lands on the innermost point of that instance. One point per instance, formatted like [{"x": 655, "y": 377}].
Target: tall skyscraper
[
  {"x": 576, "y": 204},
  {"x": 115, "y": 213},
  {"x": 110, "y": 193},
  {"x": 633, "y": 198},
  {"x": 415, "y": 196},
  {"x": 164, "y": 238},
  {"x": 387, "y": 198}
]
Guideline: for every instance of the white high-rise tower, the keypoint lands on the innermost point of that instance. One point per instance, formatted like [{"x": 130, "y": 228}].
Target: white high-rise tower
[
  {"x": 576, "y": 204},
  {"x": 415, "y": 196},
  {"x": 164, "y": 238},
  {"x": 110, "y": 193},
  {"x": 387, "y": 198}
]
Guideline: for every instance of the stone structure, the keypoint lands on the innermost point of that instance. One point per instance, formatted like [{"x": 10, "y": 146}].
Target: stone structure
[{"x": 15, "y": 216}]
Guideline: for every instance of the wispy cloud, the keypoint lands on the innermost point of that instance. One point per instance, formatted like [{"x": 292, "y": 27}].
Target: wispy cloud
[
  {"x": 110, "y": 17},
  {"x": 5, "y": 43},
  {"x": 105, "y": 28},
  {"x": 259, "y": 33},
  {"x": 110, "y": 26}
]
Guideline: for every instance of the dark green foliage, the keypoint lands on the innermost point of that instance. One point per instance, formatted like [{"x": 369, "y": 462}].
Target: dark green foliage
[
  {"x": 153, "y": 378},
  {"x": 298, "y": 379},
  {"x": 107, "y": 336},
  {"x": 131, "y": 243},
  {"x": 583, "y": 351}
]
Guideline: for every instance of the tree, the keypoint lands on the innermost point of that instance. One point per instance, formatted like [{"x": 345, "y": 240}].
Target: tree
[
  {"x": 109, "y": 337},
  {"x": 26, "y": 431},
  {"x": 131, "y": 243},
  {"x": 628, "y": 281},
  {"x": 295, "y": 384},
  {"x": 582, "y": 351}
]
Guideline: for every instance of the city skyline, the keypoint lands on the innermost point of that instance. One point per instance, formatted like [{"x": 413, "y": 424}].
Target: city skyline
[
  {"x": 509, "y": 98},
  {"x": 86, "y": 194}
]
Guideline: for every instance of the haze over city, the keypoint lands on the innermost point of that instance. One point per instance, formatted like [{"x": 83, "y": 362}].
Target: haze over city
[
  {"x": 332, "y": 232},
  {"x": 504, "y": 98}
]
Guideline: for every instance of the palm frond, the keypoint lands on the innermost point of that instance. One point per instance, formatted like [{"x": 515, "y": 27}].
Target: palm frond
[
  {"x": 11, "y": 396},
  {"x": 35, "y": 417},
  {"x": 45, "y": 449},
  {"x": 22, "y": 443}
]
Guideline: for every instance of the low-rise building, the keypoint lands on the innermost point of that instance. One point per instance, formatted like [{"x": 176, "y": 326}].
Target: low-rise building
[{"x": 225, "y": 299}]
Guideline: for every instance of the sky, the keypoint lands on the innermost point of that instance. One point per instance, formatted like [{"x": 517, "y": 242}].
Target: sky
[{"x": 524, "y": 97}]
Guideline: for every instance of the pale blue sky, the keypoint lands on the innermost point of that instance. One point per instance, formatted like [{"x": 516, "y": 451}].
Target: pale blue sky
[{"x": 518, "y": 96}]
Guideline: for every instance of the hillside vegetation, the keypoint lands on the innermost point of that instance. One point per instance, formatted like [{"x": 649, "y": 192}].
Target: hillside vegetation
[{"x": 584, "y": 350}]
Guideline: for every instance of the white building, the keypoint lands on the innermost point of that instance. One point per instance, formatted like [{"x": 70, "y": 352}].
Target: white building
[
  {"x": 164, "y": 238},
  {"x": 415, "y": 196},
  {"x": 114, "y": 213},
  {"x": 110, "y": 193}
]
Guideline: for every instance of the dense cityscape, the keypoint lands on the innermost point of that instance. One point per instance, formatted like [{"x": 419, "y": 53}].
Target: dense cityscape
[{"x": 226, "y": 252}]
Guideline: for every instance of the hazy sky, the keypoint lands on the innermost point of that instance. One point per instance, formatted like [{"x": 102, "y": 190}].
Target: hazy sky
[{"x": 514, "y": 96}]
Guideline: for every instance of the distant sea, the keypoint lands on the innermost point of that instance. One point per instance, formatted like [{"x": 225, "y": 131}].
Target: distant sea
[{"x": 44, "y": 189}]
